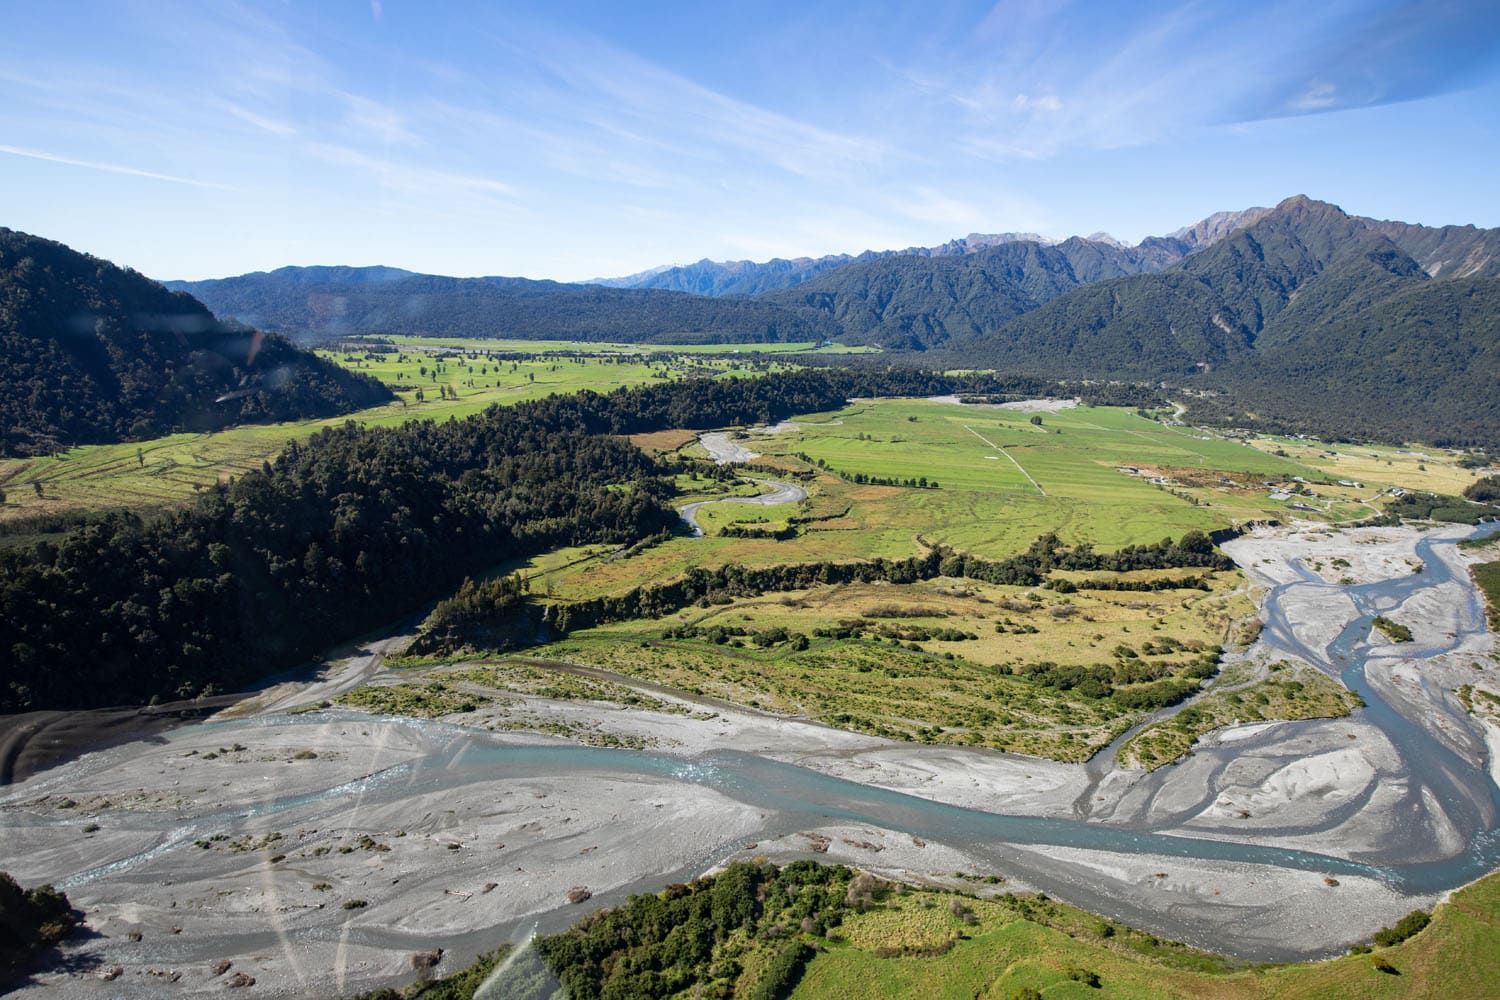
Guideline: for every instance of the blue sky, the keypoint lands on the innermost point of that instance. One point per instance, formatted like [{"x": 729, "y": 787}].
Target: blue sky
[{"x": 571, "y": 140}]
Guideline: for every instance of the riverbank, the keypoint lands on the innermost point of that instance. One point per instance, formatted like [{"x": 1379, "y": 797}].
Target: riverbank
[{"x": 317, "y": 852}]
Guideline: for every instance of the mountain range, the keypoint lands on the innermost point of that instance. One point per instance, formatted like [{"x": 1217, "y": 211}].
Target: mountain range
[
  {"x": 1295, "y": 317},
  {"x": 746, "y": 277},
  {"x": 1308, "y": 317},
  {"x": 914, "y": 299},
  {"x": 322, "y": 302}
]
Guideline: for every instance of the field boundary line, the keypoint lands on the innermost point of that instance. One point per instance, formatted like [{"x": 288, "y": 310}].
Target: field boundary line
[{"x": 1008, "y": 455}]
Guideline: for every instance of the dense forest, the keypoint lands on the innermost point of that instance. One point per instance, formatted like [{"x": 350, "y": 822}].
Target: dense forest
[
  {"x": 90, "y": 352},
  {"x": 313, "y": 302},
  {"x": 1309, "y": 319},
  {"x": 700, "y": 934},
  {"x": 349, "y": 530},
  {"x": 357, "y": 527},
  {"x": 1421, "y": 365},
  {"x": 916, "y": 303}
]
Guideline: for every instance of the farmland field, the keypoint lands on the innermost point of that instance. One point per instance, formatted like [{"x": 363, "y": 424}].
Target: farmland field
[
  {"x": 167, "y": 470},
  {"x": 986, "y": 502},
  {"x": 481, "y": 345}
]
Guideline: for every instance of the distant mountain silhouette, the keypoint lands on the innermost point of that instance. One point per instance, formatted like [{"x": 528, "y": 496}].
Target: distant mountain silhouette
[{"x": 332, "y": 301}]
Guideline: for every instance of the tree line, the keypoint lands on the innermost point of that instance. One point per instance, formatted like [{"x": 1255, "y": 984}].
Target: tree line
[
  {"x": 347, "y": 531},
  {"x": 1028, "y": 569},
  {"x": 358, "y": 526}
]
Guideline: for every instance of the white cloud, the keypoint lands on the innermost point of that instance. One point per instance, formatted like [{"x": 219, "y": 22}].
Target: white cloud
[
  {"x": 262, "y": 122},
  {"x": 1319, "y": 94},
  {"x": 377, "y": 122},
  {"x": 413, "y": 179},
  {"x": 1046, "y": 102},
  {"x": 112, "y": 168}
]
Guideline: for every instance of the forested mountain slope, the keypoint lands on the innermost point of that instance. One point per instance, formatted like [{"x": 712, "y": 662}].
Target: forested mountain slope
[
  {"x": 328, "y": 301},
  {"x": 748, "y": 277},
  {"x": 916, "y": 303},
  {"x": 91, "y": 352},
  {"x": 1307, "y": 314}
]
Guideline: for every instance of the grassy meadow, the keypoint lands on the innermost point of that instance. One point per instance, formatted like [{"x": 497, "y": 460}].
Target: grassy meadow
[
  {"x": 598, "y": 347},
  {"x": 1414, "y": 468},
  {"x": 1060, "y": 952},
  {"x": 167, "y": 470},
  {"x": 1002, "y": 482}
]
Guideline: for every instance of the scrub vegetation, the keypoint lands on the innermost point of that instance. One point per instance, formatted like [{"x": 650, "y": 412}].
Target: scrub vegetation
[
  {"x": 1487, "y": 575},
  {"x": 814, "y": 932},
  {"x": 31, "y": 921},
  {"x": 942, "y": 661},
  {"x": 1286, "y": 692}
]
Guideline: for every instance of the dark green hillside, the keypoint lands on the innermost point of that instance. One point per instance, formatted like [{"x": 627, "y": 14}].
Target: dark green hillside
[
  {"x": 1147, "y": 326},
  {"x": 1215, "y": 306},
  {"x": 917, "y": 303},
  {"x": 1421, "y": 365},
  {"x": 92, "y": 352},
  {"x": 1308, "y": 320},
  {"x": 330, "y": 301}
]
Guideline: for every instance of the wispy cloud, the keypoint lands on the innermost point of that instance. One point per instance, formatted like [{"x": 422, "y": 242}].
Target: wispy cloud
[
  {"x": 540, "y": 142},
  {"x": 110, "y": 168},
  {"x": 263, "y": 122},
  {"x": 411, "y": 178},
  {"x": 1319, "y": 95},
  {"x": 597, "y": 82},
  {"x": 1044, "y": 79}
]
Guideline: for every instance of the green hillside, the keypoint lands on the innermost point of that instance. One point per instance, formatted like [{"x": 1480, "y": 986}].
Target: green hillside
[{"x": 92, "y": 353}]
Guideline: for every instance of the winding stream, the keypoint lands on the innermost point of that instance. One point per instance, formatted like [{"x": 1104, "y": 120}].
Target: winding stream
[
  {"x": 726, "y": 452},
  {"x": 792, "y": 798}
]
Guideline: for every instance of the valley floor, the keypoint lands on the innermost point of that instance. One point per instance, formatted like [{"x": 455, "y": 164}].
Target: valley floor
[{"x": 317, "y": 849}]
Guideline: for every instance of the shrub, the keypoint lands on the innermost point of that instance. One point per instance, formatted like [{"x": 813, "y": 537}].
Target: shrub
[
  {"x": 31, "y": 921},
  {"x": 1086, "y": 977},
  {"x": 1407, "y": 926},
  {"x": 781, "y": 973}
]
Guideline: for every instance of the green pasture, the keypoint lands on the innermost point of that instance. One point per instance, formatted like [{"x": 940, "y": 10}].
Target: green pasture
[
  {"x": 599, "y": 347},
  {"x": 167, "y": 470},
  {"x": 985, "y": 503},
  {"x": 1003, "y": 480},
  {"x": 1060, "y": 952}
]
